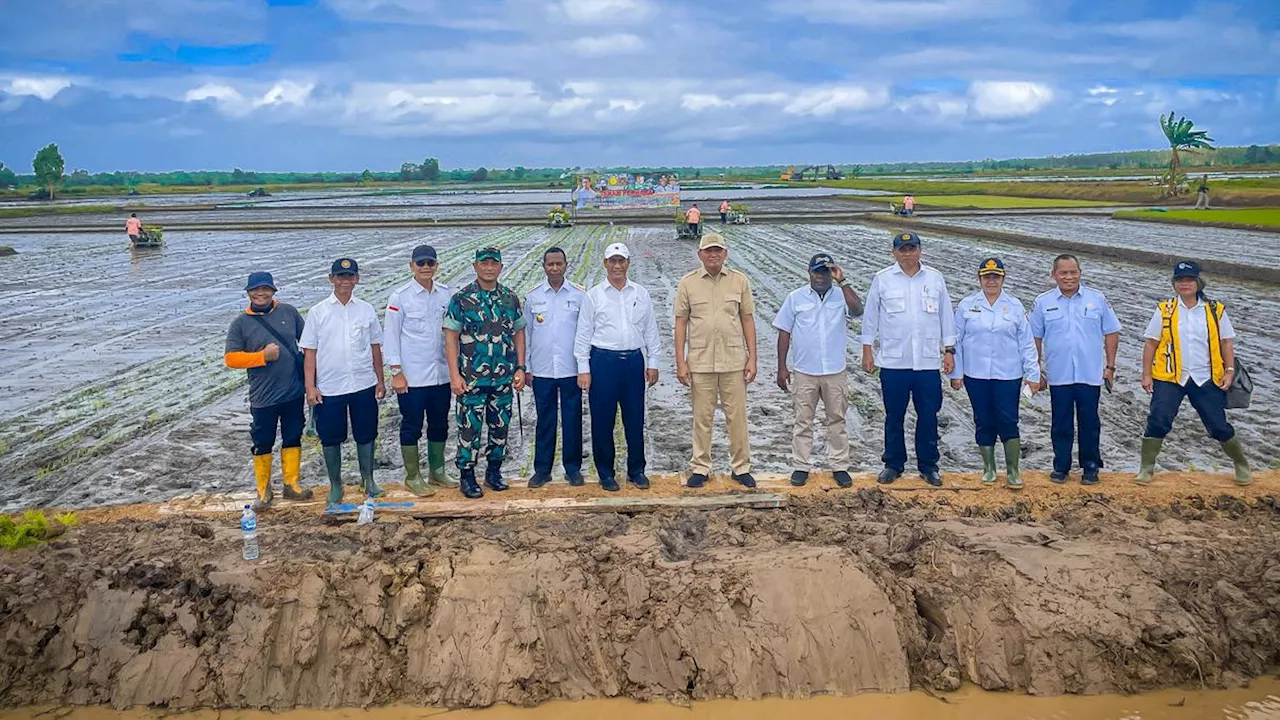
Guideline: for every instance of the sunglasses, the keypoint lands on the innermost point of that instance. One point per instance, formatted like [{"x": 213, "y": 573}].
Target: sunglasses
[{"x": 425, "y": 263}]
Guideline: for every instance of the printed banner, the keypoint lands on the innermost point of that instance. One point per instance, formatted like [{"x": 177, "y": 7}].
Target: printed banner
[{"x": 621, "y": 191}]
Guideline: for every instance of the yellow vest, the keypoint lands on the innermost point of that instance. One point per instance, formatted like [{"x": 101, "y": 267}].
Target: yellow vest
[{"x": 1167, "y": 365}]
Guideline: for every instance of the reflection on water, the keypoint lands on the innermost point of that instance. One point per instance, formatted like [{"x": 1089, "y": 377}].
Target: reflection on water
[{"x": 1261, "y": 701}]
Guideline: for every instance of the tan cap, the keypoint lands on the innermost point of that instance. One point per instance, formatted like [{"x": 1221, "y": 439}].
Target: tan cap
[{"x": 711, "y": 240}]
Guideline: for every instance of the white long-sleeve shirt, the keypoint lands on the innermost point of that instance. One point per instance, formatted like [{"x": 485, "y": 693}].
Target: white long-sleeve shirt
[
  {"x": 413, "y": 333},
  {"x": 551, "y": 328},
  {"x": 613, "y": 319},
  {"x": 993, "y": 340},
  {"x": 911, "y": 317}
]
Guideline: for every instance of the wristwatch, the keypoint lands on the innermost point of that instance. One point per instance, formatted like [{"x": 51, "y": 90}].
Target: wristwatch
[
  {"x": 949, "y": 351},
  {"x": 842, "y": 283},
  {"x": 522, "y": 368},
  {"x": 396, "y": 370}
]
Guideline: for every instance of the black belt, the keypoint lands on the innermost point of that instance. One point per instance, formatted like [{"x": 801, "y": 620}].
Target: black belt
[{"x": 615, "y": 353}]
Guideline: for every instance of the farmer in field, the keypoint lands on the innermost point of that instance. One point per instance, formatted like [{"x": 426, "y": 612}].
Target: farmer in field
[
  {"x": 1189, "y": 352},
  {"x": 484, "y": 346},
  {"x": 909, "y": 314},
  {"x": 1202, "y": 194},
  {"x": 413, "y": 337},
  {"x": 716, "y": 355},
  {"x": 909, "y": 205},
  {"x": 617, "y": 349},
  {"x": 694, "y": 218},
  {"x": 263, "y": 340},
  {"x": 343, "y": 345},
  {"x": 995, "y": 356},
  {"x": 724, "y": 212},
  {"x": 551, "y": 314},
  {"x": 133, "y": 227},
  {"x": 1076, "y": 334},
  {"x": 813, "y": 324}
]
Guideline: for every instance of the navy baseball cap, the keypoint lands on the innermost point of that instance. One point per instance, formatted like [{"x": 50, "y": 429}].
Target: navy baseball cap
[
  {"x": 1186, "y": 268},
  {"x": 905, "y": 238},
  {"x": 821, "y": 261},
  {"x": 344, "y": 266},
  {"x": 991, "y": 266},
  {"x": 424, "y": 252},
  {"x": 259, "y": 279}
]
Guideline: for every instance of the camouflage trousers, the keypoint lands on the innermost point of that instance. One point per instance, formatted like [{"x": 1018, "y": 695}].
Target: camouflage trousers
[{"x": 477, "y": 407}]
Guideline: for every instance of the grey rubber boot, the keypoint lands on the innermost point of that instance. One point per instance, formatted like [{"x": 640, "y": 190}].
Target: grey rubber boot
[
  {"x": 333, "y": 466},
  {"x": 364, "y": 455},
  {"x": 1150, "y": 450},
  {"x": 1012, "y": 460},
  {"x": 413, "y": 471},
  {"x": 1236, "y": 453},
  {"x": 988, "y": 464}
]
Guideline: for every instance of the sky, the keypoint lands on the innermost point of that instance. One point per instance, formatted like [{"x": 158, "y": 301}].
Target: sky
[{"x": 309, "y": 85}]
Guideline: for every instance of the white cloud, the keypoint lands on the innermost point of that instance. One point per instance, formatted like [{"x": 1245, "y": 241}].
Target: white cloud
[
  {"x": 1102, "y": 90},
  {"x": 238, "y": 104},
  {"x": 45, "y": 88},
  {"x": 619, "y": 44},
  {"x": 1002, "y": 99},
  {"x": 821, "y": 102},
  {"x": 605, "y": 12},
  {"x": 898, "y": 13},
  {"x": 934, "y": 106},
  {"x": 214, "y": 91}
]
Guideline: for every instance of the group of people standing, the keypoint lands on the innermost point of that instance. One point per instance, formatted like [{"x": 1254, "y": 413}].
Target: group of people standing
[{"x": 472, "y": 345}]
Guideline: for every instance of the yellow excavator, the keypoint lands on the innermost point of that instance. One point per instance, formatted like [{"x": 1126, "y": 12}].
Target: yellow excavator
[{"x": 813, "y": 172}]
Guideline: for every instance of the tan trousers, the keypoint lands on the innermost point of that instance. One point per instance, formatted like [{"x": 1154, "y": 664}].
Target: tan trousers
[
  {"x": 729, "y": 390},
  {"x": 806, "y": 391}
]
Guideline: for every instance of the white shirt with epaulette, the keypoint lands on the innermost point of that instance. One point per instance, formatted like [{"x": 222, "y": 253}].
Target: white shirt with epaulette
[{"x": 550, "y": 325}]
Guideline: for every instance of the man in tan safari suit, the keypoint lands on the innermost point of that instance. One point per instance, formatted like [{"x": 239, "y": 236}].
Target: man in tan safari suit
[{"x": 715, "y": 314}]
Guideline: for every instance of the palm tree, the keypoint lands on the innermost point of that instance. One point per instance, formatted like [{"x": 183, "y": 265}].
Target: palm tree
[{"x": 1181, "y": 137}]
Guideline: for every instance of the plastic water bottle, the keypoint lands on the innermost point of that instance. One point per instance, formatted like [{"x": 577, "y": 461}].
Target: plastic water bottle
[
  {"x": 249, "y": 528},
  {"x": 366, "y": 512}
]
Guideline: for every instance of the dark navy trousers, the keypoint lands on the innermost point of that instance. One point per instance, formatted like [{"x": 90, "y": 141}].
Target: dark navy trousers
[
  {"x": 995, "y": 408},
  {"x": 1072, "y": 405},
  {"x": 924, "y": 389},
  {"x": 1209, "y": 400},
  {"x": 617, "y": 382},
  {"x": 564, "y": 395},
  {"x": 427, "y": 401}
]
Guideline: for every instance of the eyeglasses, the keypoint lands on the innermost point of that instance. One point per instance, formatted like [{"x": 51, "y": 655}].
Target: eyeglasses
[{"x": 425, "y": 263}]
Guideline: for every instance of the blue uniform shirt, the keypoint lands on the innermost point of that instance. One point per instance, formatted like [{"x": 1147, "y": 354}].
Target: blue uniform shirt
[
  {"x": 993, "y": 340},
  {"x": 1071, "y": 330}
]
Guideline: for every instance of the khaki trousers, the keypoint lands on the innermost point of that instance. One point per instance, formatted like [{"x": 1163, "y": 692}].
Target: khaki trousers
[
  {"x": 729, "y": 390},
  {"x": 806, "y": 391}
]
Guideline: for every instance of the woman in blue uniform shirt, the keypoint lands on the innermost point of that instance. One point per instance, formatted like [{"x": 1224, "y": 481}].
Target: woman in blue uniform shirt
[{"x": 995, "y": 356}]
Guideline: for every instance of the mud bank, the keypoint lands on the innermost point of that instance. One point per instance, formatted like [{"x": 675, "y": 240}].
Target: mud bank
[{"x": 856, "y": 592}]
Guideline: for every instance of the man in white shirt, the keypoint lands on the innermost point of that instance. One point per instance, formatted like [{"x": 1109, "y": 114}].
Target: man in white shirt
[
  {"x": 551, "y": 313},
  {"x": 813, "y": 325},
  {"x": 342, "y": 343},
  {"x": 616, "y": 348},
  {"x": 419, "y": 374},
  {"x": 909, "y": 313},
  {"x": 1189, "y": 353}
]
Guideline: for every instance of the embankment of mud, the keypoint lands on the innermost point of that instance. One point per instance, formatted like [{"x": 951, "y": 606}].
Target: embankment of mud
[
  {"x": 836, "y": 594},
  {"x": 1221, "y": 268}
]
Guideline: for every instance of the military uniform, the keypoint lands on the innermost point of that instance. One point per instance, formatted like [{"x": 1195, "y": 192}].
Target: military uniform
[{"x": 486, "y": 322}]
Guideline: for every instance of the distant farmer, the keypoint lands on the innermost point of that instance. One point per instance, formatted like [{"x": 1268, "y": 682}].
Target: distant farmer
[
  {"x": 133, "y": 226},
  {"x": 343, "y": 345},
  {"x": 263, "y": 340},
  {"x": 716, "y": 355},
  {"x": 484, "y": 346},
  {"x": 551, "y": 313},
  {"x": 1189, "y": 352},
  {"x": 813, "y": 324},
  {"x": 617, "y": 351},
  {"x": 724, "y": 212},
  {"x": 694, "y": 218},
  {"x": 909, "y": 315},
  {"x": 1076, "y": 334},
  {"x": 909, "y": 205},
  {"x": 413, "y": 337},
  {"x": 995, "y": 355},
  {"x": 1202, "y": 193}
]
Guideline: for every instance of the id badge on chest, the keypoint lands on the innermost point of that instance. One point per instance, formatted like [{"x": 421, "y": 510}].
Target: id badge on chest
[{"x": 928, "y": 301}]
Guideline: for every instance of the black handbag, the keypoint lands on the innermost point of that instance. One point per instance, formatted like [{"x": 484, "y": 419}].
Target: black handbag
[{"x": 1240, "y": 393}]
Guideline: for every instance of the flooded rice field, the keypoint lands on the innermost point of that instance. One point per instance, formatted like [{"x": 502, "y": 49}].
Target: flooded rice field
[{"x": 115, "y": 388}]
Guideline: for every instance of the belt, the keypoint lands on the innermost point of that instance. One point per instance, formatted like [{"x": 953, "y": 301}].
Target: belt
[{"x": 615, "y": 353}]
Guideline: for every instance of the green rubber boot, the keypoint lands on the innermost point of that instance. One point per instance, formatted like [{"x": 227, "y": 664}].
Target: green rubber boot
[
  {"x": 1236, "y": 453},
  {"x": 333, "y": 466},
  {"x": 1150, "y": 449},
  {"x": 988, "y": 464},
  {"x": 364, "y": 455},
  {"x": 435, "y": 461},
  {"x": 1012, "y": 459},
  {"x": 413, "y": 471}
]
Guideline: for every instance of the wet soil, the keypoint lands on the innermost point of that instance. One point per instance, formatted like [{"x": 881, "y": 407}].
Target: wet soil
[{"x": 860, "y": 591}]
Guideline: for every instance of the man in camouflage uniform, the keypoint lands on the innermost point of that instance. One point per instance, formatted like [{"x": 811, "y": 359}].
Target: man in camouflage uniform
[{"x": 484, "y": 345}]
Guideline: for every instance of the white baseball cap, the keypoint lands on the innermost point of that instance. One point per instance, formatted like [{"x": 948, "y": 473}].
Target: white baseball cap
[{"x": 615, "y": 250}]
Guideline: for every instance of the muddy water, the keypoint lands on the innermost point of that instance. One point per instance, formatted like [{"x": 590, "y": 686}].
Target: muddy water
[{"x": 1261, "y": 701}]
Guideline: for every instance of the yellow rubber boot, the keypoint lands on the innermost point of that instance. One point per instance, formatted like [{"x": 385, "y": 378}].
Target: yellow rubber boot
[
  {"x": 291, "y": 466},
  {"x": 262, "y": 474}
]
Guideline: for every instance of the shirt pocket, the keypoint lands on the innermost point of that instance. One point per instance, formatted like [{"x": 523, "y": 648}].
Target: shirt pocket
[
  {"x": 539, "y": 312},
  {"x": 359, "y": 338},
  {"x": 894, "y": 345},
  {"x": 806, "y": 315},
  {"x": 418, "y": 322},
  {"x": 930, "y": 299},
  {"x": 894, "y": 301},
  {"x": 700, "y": 309}
]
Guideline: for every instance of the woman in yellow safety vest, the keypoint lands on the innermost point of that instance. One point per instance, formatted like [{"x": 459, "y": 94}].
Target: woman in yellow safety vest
[{"x": 1189, "y": 352}]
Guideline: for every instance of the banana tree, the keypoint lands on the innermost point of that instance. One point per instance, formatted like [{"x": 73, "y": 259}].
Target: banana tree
[{"x": 1181, "y": 136}]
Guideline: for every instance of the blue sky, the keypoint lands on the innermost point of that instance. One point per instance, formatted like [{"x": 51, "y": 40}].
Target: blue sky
[{"x": 348, "y": 84}]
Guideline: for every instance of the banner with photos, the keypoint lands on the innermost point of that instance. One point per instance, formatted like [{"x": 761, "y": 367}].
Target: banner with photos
[{"x": 624, "y": 191}]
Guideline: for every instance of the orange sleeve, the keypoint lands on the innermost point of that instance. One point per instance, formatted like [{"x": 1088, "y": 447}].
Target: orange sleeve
[{"x": 246, "y": 360}]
